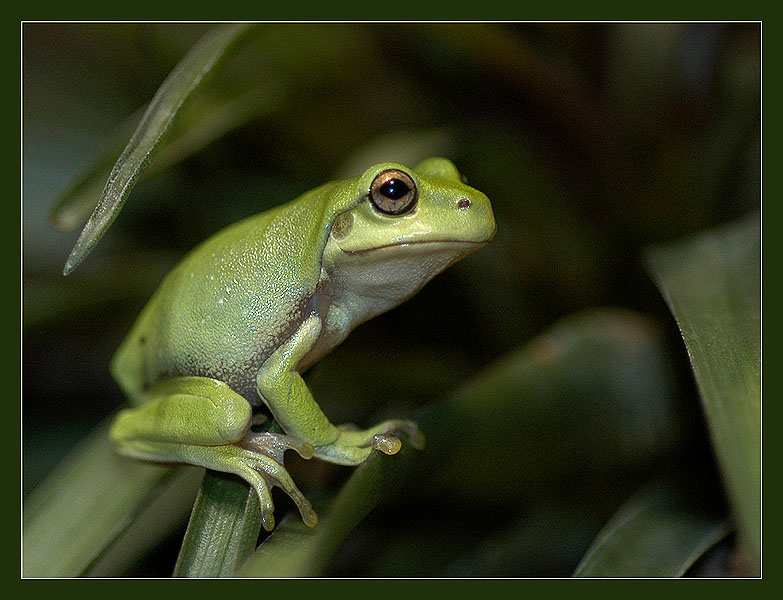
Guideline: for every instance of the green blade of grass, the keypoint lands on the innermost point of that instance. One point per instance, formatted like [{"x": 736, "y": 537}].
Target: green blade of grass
[
  {"x": 156, "y": 123},
  {"x": 712, "y": 283},
  {"x": 223, "y": 528},
  {"x": 655, "y": 534}
]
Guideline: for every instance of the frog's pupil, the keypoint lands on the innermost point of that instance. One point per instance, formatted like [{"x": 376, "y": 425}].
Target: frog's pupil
[{"x": 394, "y": 189}]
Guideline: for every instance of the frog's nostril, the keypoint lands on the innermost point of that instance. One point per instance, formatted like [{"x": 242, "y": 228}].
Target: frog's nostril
[{"x": 463, "y": 203}]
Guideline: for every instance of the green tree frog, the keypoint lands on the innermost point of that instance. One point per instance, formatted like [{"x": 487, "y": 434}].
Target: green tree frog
[{"x": 244, "y": 313}]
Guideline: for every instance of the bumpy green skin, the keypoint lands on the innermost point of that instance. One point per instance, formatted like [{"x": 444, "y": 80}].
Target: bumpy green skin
[{"x": 244, "y": 313}]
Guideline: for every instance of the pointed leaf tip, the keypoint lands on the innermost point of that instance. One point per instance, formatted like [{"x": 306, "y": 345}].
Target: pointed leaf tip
[{"x": 154, "y": 127}]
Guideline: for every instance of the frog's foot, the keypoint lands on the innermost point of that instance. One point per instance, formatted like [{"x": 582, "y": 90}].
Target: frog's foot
[
  {"x": 257, "y": 458},
  {"x": 260, "y": 460},
  {"x": 353, "y": 446}
]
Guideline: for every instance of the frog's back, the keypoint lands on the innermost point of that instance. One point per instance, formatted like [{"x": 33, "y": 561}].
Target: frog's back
[{"x": 229, "y": 303}]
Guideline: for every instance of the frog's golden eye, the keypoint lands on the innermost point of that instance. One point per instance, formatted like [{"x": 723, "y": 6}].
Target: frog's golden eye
[{"x": 393, "y": 192}]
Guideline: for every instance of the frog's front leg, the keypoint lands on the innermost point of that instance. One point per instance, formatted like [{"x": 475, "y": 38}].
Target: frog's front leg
[
  {"x": 288, "y": 397},
  {"x": 202, "y": 421}
]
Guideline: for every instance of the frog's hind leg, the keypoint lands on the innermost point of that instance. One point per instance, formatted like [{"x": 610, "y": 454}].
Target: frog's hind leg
[{"x": 202, "y": 421}]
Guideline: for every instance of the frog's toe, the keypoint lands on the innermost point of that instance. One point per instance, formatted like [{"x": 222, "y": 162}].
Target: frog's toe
[
  {"x": 264, "y": 494},
  {"x": 384, "y": 440},
  {"x": 388, "y": 444},
  {"x": 354, "y": 446}
]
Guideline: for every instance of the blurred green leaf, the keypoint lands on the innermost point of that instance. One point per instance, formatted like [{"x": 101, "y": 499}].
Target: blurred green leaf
[
  {"x": 80, "y": 511},
  {"x": 712, "y": 283},
  {"x": 223, "y": 528},
  {"x": 541, "y": 543},
  {"x": 155, "y": 125},
  {"x": 592, "y": 394},
  {"x": 655, "y": 534}
]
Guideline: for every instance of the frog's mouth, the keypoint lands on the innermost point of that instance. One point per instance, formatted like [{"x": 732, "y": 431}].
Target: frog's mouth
[{"x": 425, "y": 244}]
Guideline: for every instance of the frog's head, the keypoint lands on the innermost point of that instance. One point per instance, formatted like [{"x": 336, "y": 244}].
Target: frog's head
[{"x": 405, "y": 226}]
